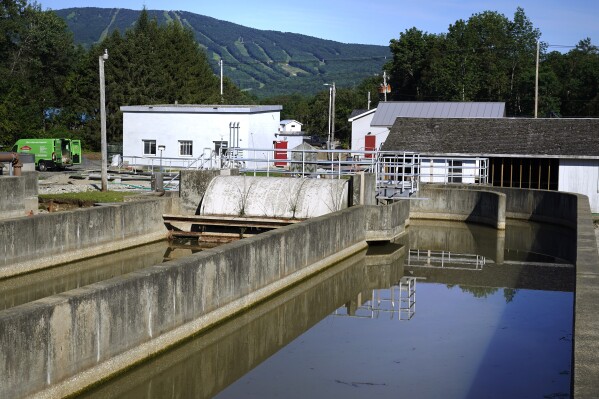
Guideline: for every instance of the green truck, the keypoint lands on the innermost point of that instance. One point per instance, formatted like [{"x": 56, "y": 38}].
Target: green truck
[{"x": 51, "y": 153}]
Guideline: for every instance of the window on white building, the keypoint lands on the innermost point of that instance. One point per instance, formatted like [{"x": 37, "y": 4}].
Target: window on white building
[
  {"x": 149, "y": 147},
  {"x": 185, "y": 147}
]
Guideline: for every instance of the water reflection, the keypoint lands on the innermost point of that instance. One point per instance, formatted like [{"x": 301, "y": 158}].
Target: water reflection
[
  {"x": 488, "y": 325},
  {"x": 389, "y": 293},
  {"x": 479, "y": 256},
  {"x": 210, "y": 362}
]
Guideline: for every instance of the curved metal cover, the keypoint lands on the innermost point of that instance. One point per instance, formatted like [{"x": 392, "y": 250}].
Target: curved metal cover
[{"x": 276, "y": 197}]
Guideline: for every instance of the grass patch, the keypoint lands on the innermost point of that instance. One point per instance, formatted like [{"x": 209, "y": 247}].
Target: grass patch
[{"x": 88, "y": 196}]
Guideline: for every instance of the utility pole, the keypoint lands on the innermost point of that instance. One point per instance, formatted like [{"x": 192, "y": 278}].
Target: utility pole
[
  {"x": 332, "y": 92},
  {"x": 537, "y": 82},
  {"x": 333, "y": 117},
  {"x": 221, "y": 80},
  {"x": 330, "y": 106},
  {"x": 104, "y": 150}
]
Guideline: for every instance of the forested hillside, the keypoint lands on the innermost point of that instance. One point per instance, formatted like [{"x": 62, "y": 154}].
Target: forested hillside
[{"x": 266, "y": 63}]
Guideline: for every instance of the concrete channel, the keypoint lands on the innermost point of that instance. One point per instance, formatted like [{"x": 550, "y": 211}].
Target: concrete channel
[{"x": 62, "y": 344}]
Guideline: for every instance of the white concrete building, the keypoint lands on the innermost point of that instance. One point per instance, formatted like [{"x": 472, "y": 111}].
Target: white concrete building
[
  {"x": 377, "y": 122},
  {"x": 180, "y": 134},
  {"x": 290, "y": 125},
  {"x": 361, "y": 127},
  {"x": 291, "y": 132}
]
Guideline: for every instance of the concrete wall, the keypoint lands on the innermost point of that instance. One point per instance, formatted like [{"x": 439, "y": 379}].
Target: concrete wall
[
  {"x": 586, "y": 320},
  {"x": 68, "y": 341},
  {"x": 385, "y": 223},
  {"x": 573, "y": 211},
  {"x": 49, "y": 239},
  {"x": 540, "y": 205},
  {"x": 448, "y": 203},
  {"x": 229, "y": 351},
  {"x": 18, "y": 195},
  {"x": 363, "y": 189}
]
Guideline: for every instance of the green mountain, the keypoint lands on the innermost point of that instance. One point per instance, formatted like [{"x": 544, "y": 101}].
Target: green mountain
[{"x": 267, "y": 63}]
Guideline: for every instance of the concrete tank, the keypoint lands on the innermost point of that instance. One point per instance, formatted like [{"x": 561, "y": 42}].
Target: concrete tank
[{"x": 276, "y": 197}]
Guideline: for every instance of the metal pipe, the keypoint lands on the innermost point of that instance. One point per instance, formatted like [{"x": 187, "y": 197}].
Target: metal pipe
[{"x": 14, "y": 160}]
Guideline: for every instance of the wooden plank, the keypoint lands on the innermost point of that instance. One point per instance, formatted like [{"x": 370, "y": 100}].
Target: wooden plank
[{"x": 230, "y": 221}]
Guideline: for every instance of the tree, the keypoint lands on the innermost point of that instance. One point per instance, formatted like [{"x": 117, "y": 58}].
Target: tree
[
  {"x": 578, "y": 72},
  {"x": 149, "y": 64},
  {"x": 411, "y": 64},
  {"x": 485, "y": 58},
  {"x": 36, "y": 57}
]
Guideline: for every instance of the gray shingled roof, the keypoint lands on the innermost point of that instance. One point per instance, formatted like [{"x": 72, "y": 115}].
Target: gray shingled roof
[
  {"x": 387, "y": 112},
  {"x": 501, "y": 136}
]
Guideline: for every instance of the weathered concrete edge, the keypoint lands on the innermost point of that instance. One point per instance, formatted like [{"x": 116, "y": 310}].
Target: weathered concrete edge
[
  {"x": 166, "y": 340},
  {"x": 386, "y": 223},
  {"x": 475, "y": 205},
  {"x": 90, "y": 252},
  {"x": 585, "y": 356},
  {"x": 283, "y": 263},
  {"x": 46, "y": 240}
]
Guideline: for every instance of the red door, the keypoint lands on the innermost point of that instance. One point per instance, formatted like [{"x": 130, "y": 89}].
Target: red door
[
  {"x": 369, "y": 144},
  {"x": 280, "y": 152}
]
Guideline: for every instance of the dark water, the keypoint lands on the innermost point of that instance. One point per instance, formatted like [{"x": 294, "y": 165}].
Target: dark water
[{"x": 389, "y": 324}]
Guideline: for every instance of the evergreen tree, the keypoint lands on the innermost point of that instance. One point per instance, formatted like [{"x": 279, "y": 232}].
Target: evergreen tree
[
  {"x": 149, "y": 64},
  {"x": 36, "y": 57}
]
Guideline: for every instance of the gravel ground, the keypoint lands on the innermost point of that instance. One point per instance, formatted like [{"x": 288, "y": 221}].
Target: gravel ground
[{"x": 79, "y": 181}]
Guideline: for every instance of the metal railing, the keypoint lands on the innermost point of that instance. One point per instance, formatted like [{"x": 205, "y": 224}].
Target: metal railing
[
  {"x": 397, "y": 301},
  {"x": 454, "y": 170},
  {"x": 398, "y": 174},
  {"x": 304, "y": 162},
  {"x": 445, "y": 260}
]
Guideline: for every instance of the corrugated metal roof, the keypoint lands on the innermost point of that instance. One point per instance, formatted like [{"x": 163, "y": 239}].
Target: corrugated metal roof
[{"x": 387, "y": 112}]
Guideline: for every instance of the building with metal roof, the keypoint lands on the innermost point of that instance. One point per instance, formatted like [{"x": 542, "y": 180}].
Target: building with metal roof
[
  {"x": 384, "y": 116},
  {"x": 176, "y": 132},
  {"x": 554, "y": 154},
  {"x": 387, "y": 112}
]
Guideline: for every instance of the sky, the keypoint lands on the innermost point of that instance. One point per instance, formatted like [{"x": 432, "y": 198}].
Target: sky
[{"x": 561, "y": 22}]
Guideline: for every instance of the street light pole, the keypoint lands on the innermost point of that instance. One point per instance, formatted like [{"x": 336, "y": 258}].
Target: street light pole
[
  {"x": 333, "y": 118},
  {"x": 332, "y": 93},
  {"x": 104, "y": 150},
  {"x": 330, "y": 103}
]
